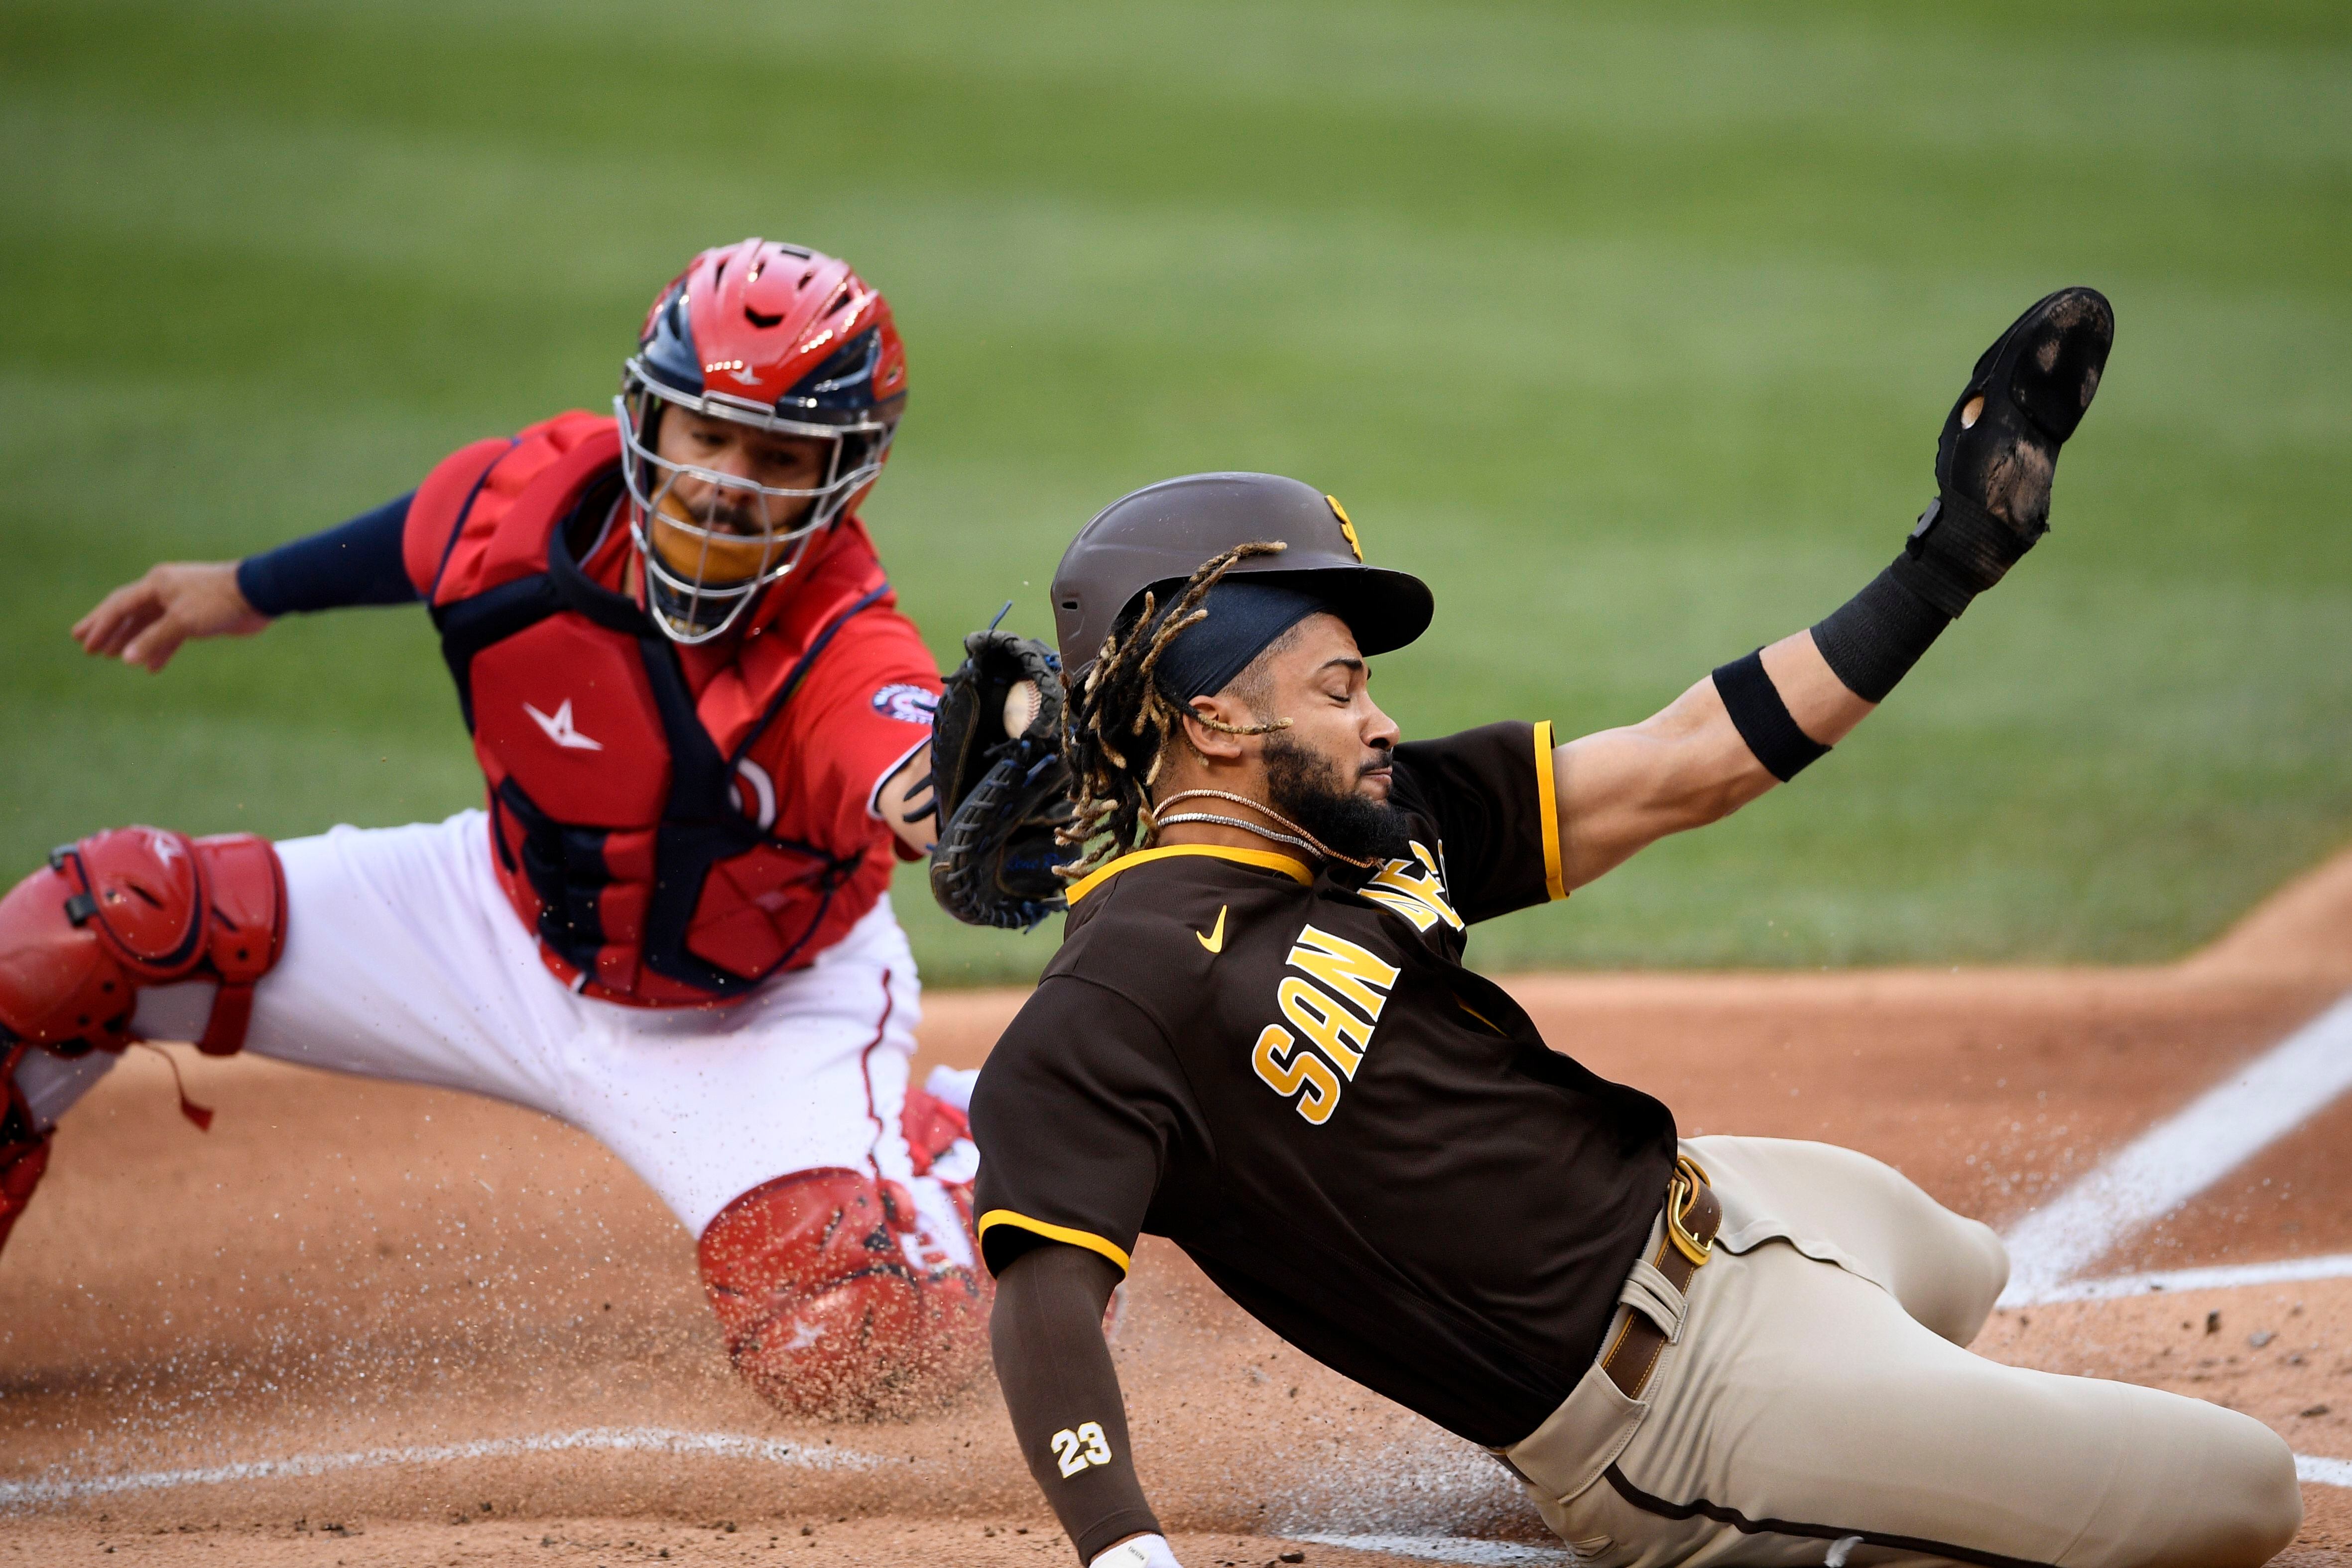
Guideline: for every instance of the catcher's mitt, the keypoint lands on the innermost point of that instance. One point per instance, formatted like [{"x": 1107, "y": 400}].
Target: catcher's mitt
[{"x": 1001, "y": 784}]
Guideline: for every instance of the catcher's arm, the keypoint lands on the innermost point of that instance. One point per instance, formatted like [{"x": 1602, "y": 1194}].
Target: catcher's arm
[
  {"x": 1062, "y": 1392},
  {"x": 357, "y": 562},
  {"x": 144, "y": 622},
  {"x": 906, "y": 801}
]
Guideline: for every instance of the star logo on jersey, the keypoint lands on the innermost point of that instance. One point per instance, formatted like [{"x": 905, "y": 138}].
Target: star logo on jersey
[
  {"x": 1215, "y": 940},
  {"x": 557, "y": 727}
]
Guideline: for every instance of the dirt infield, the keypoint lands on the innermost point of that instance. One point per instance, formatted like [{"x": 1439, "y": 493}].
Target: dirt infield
[{"x": 360, "y": 1324}]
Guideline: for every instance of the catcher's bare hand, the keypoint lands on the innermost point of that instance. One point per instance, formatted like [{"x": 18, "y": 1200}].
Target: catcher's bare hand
[{"x": 144, "y": 622}]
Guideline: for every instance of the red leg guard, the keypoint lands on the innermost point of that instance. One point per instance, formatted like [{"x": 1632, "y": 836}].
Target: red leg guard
[
  {"x": 132, "y": 907},
  {"x": 24, "y": 1156},
  {"x": 825, "y": 1310}
]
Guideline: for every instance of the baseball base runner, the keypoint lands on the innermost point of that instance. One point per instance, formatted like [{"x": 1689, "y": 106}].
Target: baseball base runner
[{"x": 1259, "y": 1041}]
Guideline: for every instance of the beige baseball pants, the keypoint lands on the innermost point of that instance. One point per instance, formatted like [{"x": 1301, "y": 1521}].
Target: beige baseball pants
[{"x": 1815, "y": 1406}]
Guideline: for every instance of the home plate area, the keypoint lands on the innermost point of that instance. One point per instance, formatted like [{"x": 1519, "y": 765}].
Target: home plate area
[{"x": 358, "y": 1323}]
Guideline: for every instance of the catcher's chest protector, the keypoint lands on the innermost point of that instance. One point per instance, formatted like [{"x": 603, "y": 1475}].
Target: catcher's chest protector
[{"x": 646, "y": 857}]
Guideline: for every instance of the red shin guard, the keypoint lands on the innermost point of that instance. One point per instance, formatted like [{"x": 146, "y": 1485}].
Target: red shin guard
[{"x": 828, "y": 1306}]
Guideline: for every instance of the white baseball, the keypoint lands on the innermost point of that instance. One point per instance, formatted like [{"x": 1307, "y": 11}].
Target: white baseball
[{"x": 1021, "y": 706}]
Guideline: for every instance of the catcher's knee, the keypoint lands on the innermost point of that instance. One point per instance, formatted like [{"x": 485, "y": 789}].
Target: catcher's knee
[
  {"x": 132, "y": 907},
  {"x": 832, "y": 1304}
]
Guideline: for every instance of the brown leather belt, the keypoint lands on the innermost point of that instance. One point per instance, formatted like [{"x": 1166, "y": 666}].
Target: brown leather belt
[{"x": 1694, "y": 1215}]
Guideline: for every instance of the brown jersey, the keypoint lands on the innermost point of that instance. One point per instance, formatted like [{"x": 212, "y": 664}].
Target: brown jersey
[{"x": 1290, "y": 1074}]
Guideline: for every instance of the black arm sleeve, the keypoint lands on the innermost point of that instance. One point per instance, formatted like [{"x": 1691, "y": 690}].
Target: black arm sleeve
[
  {"x": 358, "y": 563},
  {"x": 1872, "y": 640},
  {"x": 1063, "y": 1392}
]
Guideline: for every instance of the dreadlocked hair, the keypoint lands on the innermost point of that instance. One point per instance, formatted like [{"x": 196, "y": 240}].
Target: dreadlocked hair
[{"x": 1118, "y": 724}]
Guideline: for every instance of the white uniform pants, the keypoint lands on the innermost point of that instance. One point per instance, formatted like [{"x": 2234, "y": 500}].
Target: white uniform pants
[{"x": 403, "y": 960}]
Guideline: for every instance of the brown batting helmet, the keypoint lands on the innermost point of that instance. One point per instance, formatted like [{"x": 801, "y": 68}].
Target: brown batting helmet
[{"x": 1158, "y": 536}]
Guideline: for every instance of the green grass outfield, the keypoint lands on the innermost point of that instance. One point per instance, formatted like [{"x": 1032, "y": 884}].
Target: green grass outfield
[{"x": 1630, "y": 328}]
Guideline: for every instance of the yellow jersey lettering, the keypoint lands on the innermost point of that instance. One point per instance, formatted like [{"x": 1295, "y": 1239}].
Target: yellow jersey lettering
[
  {"x": 1351, "y": 970},
  {"x": 1336, "y": 1035},
  {"x": 1412, "y": 908},
  {"x": 1325, "y": 1020},
  {"x": 1416, "y": 893},
  {"x": 1287, "y": 1069}
]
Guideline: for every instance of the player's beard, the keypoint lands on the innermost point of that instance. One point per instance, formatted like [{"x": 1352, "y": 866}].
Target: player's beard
[{"x": 1311, "y": 790}]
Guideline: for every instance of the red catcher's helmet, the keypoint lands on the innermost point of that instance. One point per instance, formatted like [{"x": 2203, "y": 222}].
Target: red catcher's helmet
[{"x": 783, "y": 339}]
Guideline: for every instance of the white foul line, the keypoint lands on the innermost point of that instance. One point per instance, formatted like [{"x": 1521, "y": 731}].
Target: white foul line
[
  {"x": 2181, "y": 1157},
  {"x": 2322, "y": 1472},
  {"x": 602, "y": 1439},
  {"x": 1448, "y": 1549},
  {"x": 2220, "y": 1276}
]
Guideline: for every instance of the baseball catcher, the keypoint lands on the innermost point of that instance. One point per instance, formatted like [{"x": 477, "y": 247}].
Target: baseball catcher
[
  {"x": 703, "y": 724},
  {"x": 1259, "y": 1039}
]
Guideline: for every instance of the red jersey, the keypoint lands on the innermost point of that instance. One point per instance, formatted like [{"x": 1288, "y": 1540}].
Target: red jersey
[{"x": 676, "y": 824}]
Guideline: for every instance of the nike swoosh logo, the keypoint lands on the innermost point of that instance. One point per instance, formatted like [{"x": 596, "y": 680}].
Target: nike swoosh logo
[{"x": 1215, "y": 940}]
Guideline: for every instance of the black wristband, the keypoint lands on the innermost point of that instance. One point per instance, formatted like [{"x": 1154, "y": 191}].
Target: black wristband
[
  {"x": 1872, "y": 640},
  {"x": 1763, "y": 720}
]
